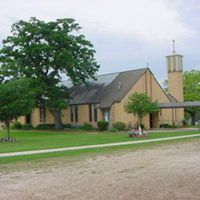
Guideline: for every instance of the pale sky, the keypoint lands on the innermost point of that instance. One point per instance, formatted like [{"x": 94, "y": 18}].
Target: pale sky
[{"x": 127, "y": 34}]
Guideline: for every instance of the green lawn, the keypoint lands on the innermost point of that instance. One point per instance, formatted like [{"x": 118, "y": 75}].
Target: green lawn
[{"x": 30, "y": 140}]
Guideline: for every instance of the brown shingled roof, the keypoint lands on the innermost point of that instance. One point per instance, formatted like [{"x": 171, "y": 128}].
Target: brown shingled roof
[{"x": 107, "y": 89}]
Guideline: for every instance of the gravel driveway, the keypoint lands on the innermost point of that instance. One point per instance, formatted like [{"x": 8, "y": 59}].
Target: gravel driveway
[{"x": 166, "y": 172}]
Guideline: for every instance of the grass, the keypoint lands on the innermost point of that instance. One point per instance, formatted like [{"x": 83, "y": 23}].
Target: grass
[
  {"x": 34, "y": 140},
  {"x": 50, "y": 159}
]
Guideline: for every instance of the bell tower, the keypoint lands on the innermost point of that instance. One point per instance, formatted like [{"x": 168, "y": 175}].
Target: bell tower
[{"x": 175, "y": 74}]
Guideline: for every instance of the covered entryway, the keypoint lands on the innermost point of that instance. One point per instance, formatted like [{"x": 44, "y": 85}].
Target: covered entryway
[{"x": 177, "y": 105}]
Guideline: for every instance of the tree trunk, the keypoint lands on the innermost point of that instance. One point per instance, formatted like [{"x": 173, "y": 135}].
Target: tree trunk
[
  {"x": 193, "y": 118},
  {"x": 139, "y": 125},
  {"x": 8, "y": 129},
  {"x": 57, "y": 118}
]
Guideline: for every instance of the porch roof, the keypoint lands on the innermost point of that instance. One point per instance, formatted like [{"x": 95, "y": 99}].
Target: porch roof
[{"x": 186, "y": 104}]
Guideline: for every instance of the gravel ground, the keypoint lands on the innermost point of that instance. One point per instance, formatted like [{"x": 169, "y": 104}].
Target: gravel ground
[{"x": 167, "y": 172}]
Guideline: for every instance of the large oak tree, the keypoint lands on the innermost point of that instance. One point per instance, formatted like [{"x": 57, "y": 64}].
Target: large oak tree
[{"x": 44, "y": 52}]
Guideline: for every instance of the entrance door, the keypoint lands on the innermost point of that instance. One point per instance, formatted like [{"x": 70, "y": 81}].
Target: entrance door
[
  {"x": 151, "y": 120},
  {"x": 28, "y": 119}
]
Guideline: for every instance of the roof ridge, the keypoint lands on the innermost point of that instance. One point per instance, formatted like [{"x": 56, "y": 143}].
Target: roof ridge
[{"x": 139, "y": 69}]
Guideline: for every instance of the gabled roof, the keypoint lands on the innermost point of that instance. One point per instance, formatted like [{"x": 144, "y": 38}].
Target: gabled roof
[{"x": 106, "y": 89}]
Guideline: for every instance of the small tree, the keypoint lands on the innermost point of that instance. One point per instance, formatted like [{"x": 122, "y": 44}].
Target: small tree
[
  {"x": 140, "y": 104},
  {"x": 15, "y": 100}
]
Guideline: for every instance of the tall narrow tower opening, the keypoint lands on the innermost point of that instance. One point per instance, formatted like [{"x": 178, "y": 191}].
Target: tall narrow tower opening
[{"x": 175, "y": 74}]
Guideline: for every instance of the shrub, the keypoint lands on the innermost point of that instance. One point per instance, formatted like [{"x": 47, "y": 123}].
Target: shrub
[
  {"x": 16, "y": 125},
  {"x": 67, "y": 126},
  {"x": 27, "y": 126},
  {"x": 76, "y": 127},
  {"x": 45, "y": 126},
  {"x": 114, "y": 130},
  {"x": 167, "y": 126},
  {"x": 87, "y": 127},
  {"x": 120, "y": 126},
  {"x": 102, "y": 125},
  {"x": 184, "y": 122}
]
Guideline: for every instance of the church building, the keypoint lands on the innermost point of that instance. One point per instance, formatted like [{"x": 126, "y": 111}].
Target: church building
[{"x": 104, "y": 98}]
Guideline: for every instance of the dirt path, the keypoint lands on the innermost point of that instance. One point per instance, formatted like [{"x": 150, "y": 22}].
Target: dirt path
[{"x": 169, "y": 172}]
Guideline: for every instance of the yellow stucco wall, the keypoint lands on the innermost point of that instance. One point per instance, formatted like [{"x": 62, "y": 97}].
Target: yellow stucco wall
[
  {"x": 83, "y": 116},
  {"x": 117, "y": 110},
  {"x": 175, "y": 85},
  {"x": 65, "y": 116},
  {"x": 147, "y": 83},
  {"x": 22, "y": 120},
  {"x": 35, "y": 117}
]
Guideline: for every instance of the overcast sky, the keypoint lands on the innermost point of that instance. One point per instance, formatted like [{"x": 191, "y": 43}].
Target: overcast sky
[{"x": 127, "y": 34}]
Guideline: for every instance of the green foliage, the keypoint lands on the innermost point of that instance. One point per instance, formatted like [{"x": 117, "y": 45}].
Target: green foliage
[
  {"x": 167, "y": 126},
  {"x": 191, "y": 90},
  {"x": 45, "y": 126},
  {"x": 191, "y": 85},
  {"x": 140, "y": 104},
  {"x": 120, "y": 126},
  {"x": 16, "y": 99},
  {"x": 27, "y": 126},
  {"x": 185, "y": 123},
  {"x": 16, "y": 125},
  {"x": 113, "y": 130},
  {"x": 102, "y": 125},
  {"x": 87, "y": 127},
  {"x": 67, "y": 126},
  {"x": 43, "y": 51},
  {"x": 51, "y": 48}
]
